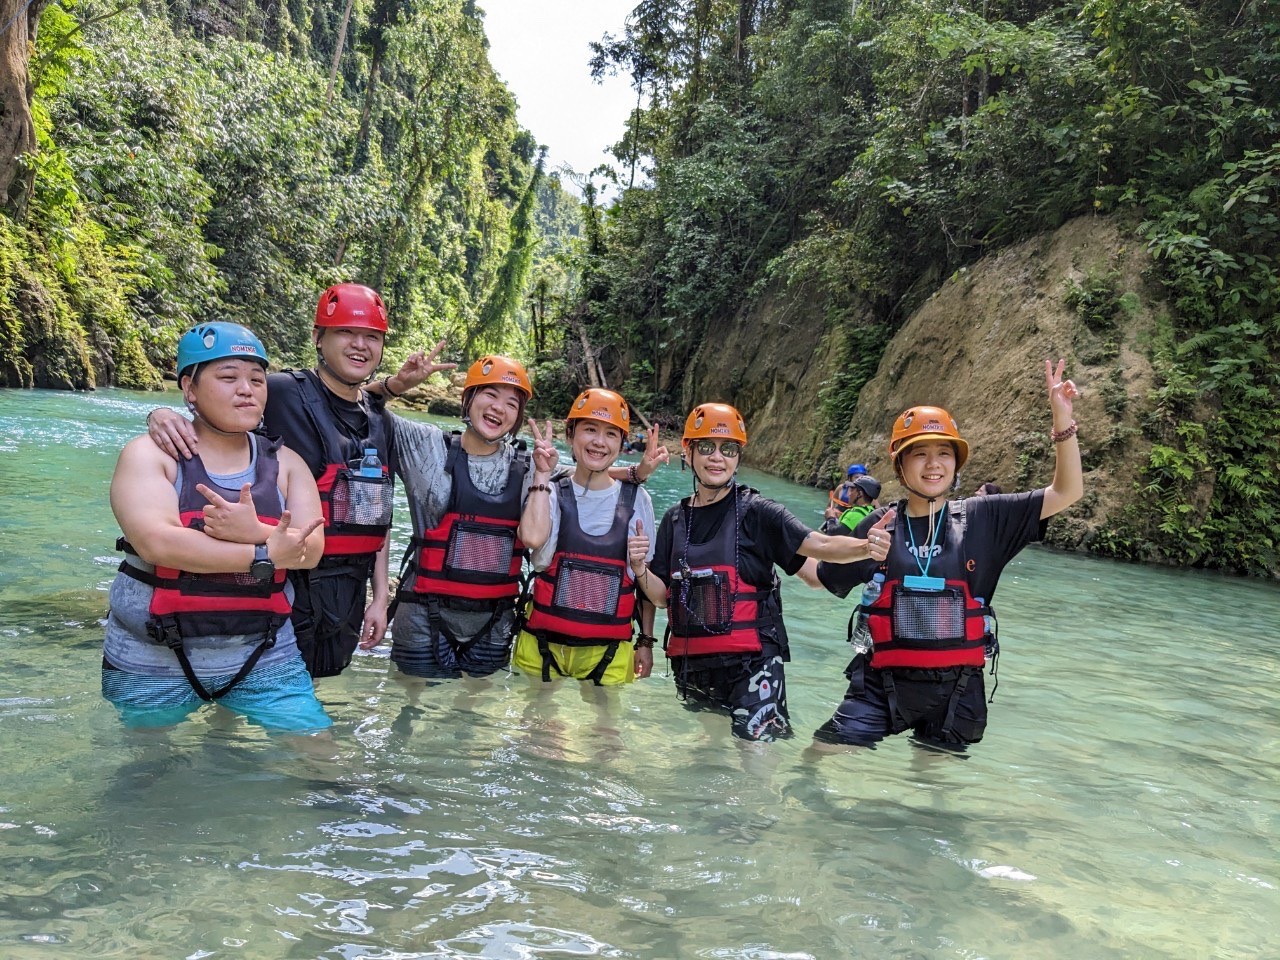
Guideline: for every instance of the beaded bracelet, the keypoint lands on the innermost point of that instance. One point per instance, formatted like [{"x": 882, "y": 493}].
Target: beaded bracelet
[
  {"x": 632, "y": 475},
  {"x": 540, "y": 486},
  {"x": 386, "y": 385},
  {"x": 645, "y": 642},
  {"x": 1058, "y": 436}
]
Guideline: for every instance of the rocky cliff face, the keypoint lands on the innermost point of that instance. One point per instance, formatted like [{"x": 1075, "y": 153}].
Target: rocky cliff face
[{"x": 976, "y": 347}]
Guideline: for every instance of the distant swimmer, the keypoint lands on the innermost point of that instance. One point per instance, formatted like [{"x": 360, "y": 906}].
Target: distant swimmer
[
  {"x": 713, "y": 570},
  {"x": 928, "y": 608},
  {"x": 200, "y": 608}
]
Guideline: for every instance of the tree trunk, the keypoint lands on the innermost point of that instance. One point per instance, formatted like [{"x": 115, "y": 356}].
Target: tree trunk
[
  {"x": 337, "y": 52},
  {"x": 17, "y": 133}
]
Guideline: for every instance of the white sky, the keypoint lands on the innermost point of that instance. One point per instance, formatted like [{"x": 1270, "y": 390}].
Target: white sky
[{"x": 539, "y": 47}]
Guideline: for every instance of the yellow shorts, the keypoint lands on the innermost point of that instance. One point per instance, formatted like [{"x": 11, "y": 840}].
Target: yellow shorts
[{"x": 574, "y": 662}]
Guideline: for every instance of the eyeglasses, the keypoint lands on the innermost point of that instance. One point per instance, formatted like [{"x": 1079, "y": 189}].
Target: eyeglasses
[{"x": 728, "y": 448}]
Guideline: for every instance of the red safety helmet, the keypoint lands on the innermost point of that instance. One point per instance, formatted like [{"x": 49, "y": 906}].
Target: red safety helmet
[{"x": 351, "y": 305}]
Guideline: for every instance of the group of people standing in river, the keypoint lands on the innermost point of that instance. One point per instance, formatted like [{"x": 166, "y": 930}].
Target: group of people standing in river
[{"x": 256, "y": 541}]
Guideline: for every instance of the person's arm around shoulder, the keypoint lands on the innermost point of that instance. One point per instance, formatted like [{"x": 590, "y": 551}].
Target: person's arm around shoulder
[
  {"x": 173, "y": 433},
  {"x": 1068, "y": 477},
  {"x": 145, "y": 504}
]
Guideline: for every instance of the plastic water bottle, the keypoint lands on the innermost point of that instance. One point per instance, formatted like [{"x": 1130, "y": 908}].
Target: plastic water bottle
[
  {"x": 370, "y": 465},
  {"x": 988, "y": 632},
  {"x": 861, "y": 638}
]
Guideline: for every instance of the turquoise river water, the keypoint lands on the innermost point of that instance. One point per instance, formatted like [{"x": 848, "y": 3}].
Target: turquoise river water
[{"x": 1124, "y": 804}]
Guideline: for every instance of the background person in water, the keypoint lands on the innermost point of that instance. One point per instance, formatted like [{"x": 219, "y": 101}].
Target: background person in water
[
  {"x": 200, "y": 608},
  {"x": 924, "y": 670}
]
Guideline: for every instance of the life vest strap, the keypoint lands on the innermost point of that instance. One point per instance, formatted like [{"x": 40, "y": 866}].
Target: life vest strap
[{"x": 165, "y": 631}]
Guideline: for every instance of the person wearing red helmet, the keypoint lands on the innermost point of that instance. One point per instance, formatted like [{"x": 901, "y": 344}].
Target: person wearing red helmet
[
  {"x": 712, "y": 568},
  {"x": 584, "y": 597},
  {"x": 928, "y": 624},
  {"x": 330, "y": 417}
]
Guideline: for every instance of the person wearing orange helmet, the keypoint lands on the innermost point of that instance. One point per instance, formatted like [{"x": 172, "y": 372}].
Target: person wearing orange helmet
[
  {"x": 584, "y": 597},
  {"x": 927, "y": 625},
  {"x": 332, "y": 416},
  {"x": 712, "y": 568},
  {"x": 456, "y": 611}
]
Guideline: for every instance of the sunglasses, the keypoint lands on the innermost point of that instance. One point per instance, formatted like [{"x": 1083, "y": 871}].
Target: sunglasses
[{"x": 728, "y": 448}]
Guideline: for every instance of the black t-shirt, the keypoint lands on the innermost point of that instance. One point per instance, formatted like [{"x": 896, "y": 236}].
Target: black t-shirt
[
  {"x": 286, "y": 417},
  {"x": 997, "y": 528},
  {"x": 768, "y": 535}
]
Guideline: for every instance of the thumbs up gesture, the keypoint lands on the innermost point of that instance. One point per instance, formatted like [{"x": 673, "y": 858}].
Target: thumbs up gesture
[
  {"x": 638, "y": 549},
  {"x": 880, "y": 536}
]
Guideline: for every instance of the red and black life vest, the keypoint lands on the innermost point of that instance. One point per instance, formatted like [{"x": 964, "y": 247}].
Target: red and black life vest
[
  {"x": 927, "y": 629},
  {"x": 586, "y": 596},
  {"x": 356, "y": 509},
  {"x": 710, "y": 608},
  {"x": 474, "y": 553},
  {"x": 185, "y": 604}
]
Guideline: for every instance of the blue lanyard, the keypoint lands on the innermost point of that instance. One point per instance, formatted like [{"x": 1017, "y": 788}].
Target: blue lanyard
[{"x": 915, "y": 551}]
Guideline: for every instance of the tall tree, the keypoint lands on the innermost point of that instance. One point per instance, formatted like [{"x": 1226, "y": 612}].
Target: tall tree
[{"x": 18, "y": 22}]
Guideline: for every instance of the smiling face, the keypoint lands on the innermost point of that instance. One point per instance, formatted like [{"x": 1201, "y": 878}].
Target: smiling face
[
  {"x": 229, "y": 393},
  {"x": 595, "y": 444},
  {"x": 712, "y": 468},
  {"x": 494, "y": 411},
  {"x": 353, "y": 353},
  {"x": 928, "y": 468}
]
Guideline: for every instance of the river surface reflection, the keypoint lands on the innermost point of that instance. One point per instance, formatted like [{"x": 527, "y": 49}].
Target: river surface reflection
[{"x": 1124, "y": 804}]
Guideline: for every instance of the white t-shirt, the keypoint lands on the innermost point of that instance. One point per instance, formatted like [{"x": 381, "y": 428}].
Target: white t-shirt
[{"x": 595, "y": 516}]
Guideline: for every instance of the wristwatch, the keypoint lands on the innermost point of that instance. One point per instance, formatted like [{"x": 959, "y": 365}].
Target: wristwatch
[{"x": 262, "y": 567}]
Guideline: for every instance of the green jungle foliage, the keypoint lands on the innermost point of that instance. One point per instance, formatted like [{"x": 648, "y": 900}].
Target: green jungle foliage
[
  {"x": 199, "y": 160},
  {"x": 866, "y": 149}
]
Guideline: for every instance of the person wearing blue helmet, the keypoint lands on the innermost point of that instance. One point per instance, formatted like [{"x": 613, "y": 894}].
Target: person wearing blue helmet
[
  {"x": 331, "y": 415},
  {"x": 200, "y": 606},
  {"x": 864, "y": 491}
]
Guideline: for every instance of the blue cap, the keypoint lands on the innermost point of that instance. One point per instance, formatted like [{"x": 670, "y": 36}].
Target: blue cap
[
  {"x": 217, "y": 341},
  {"x": 857, "y": 469}
]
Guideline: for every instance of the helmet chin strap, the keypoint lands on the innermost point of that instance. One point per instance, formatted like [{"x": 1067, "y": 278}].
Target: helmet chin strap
[
  {"x": 206, "y": 421},
  {"x": 322, "y": 365},
  {"x": 715, "y": 488}
]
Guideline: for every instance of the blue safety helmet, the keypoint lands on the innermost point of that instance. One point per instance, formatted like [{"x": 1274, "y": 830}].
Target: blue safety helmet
[
  {"x": 216, "y": 341},
  {"x": 857, "y": 469}
]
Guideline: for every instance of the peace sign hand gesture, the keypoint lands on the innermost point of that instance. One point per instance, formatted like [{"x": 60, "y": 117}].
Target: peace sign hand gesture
[
  {"x": 417, "y": 367},
  {"x": 1062, "y": 393},
  {"x": 545, "y": 456},
  {"x": 654, "y": 454}
]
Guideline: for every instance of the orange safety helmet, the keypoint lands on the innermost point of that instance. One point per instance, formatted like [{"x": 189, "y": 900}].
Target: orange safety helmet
[
  {"x": 351, "y": 305},
  {"x": 495, "y": 370},
  {"x": 606, "y": 406},
  {"x": 917, "y": 424},
  {"x": 715, "y": 421}
]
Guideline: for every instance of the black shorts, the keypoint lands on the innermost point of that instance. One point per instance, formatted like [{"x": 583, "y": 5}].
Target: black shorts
[
  {"x": 751, "y": 689},
  {"x": 328, "y": 612},
  {"x": 876, "y": 706}
]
